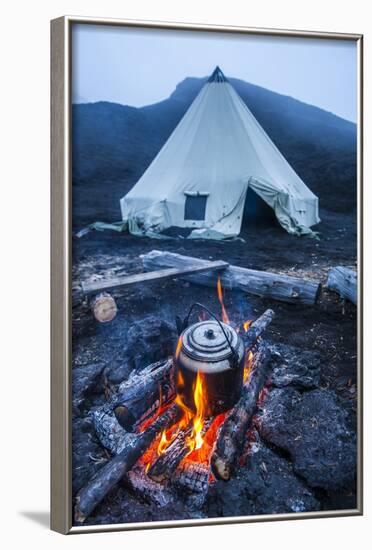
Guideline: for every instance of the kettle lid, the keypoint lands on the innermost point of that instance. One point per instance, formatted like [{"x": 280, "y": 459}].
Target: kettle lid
[{"x": 206, "y": 341}]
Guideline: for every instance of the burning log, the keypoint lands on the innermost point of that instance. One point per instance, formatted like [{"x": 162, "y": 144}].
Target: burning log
[
  {"x": 143, "y": 393},
  {"x": 343, "y": 280},
  {"x": 113, "y": 471},
  {"x": 230, "y": 440},
  {"x": 192, "y": 477},
  {"x": 259, "y": 283},
  {"x": 257, "y": 328},
  {"x": 137, "y": 400},
  {"x": 169, "y": 460},
  {"x": 146, "y": 489}
]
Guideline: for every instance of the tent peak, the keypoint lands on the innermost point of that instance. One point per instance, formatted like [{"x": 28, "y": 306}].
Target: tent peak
[{"x": 217, "y": 76}]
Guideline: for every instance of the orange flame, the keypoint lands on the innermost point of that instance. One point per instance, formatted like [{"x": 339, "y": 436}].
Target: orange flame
[
  {"x": 201, "y": 441},
  {"x": 202, "y": 455},
  {"x": 247, "y": 366},
  {"x": 225, "y": 317},
  {"x": 195, "y": 441},
  {"x": 164, "y": 442}
]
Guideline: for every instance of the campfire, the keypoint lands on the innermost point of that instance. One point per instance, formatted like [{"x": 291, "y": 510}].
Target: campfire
[{"x": 178, "y": 425}]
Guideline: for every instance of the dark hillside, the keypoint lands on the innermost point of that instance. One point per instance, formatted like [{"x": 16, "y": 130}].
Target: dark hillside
[{"x": 113, "y": 144}]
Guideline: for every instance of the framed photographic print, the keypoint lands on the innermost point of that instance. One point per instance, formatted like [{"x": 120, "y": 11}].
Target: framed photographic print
[{"x": 206, "y": 274}]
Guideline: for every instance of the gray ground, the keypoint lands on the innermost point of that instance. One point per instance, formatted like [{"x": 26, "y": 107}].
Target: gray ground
[{"x": 303, "y": 459}]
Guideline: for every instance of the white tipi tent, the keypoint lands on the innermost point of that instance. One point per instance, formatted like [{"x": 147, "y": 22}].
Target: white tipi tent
[{"x": 200, "y": 177}]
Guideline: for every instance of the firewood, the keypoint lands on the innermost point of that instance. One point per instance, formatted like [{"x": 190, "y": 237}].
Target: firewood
[
  {"x": 138, "y": 482},
  {"x": 168, "y": 461},
  {"x": 113, "y": 471},
  {"x": 257, "y": 328},
  {"x": 137, "y": 399},
  {"x": 140, "y": 396},
  {"x": 231, "y": 436},
  {"x": 192, "y": 477},
  {"x": 109, "y": 432},
  {"x": 343, "y": 280},
  {"x": 104, "y": 308},
  {"x": 284, "y": 288}
]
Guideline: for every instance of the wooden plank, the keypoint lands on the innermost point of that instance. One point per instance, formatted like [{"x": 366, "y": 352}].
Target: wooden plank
[
  {"x": 152, "y": 276},
  {"x": 343, "y": 280},
  {"x": 274, "y": 286}
]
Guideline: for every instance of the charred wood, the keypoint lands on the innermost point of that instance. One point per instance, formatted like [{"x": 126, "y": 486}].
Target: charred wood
[
  {"x": 259, "y": 283},
  {"x": 138, "y": 482},
  {"x": 192, "y": 477},
  {"x": 231, "y": 436},
  {"x": 143, "y": 393},
  {"x": 112, "y": 472},
  {"x": 109, "y": 432},
  {"x": 168, "y": 461},
  {"x": 257, "y": 328}
]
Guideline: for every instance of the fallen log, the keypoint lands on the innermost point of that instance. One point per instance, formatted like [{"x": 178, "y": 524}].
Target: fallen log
[
  {"x": 231, "y": 436},
  {"x": 143, "y": 393},
  {"x": 113, "y": 471},
  {"x": 169, "y": 460},
  {"x": 259, "y": 283},
  {"x": 92, "y": 287},
  {"x": 343, "y": 280}
]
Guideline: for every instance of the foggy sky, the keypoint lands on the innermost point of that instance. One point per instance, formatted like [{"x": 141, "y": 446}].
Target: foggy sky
[{"x": 142, "y": 66}]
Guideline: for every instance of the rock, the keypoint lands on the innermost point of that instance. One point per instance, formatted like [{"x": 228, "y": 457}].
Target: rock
[
  {"x": 294, "y": 367},
  {"x": 150, "y": 340},
  {"x": 85, "y": 381},
  {"x": 117, "y": 371},
  {"x": 313, "y": 429},
  {"x": 266, "y": 485},
  {"x": 87, "y": 454}
]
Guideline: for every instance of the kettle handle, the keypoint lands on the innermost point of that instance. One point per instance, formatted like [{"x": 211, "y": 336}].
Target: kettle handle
[{"x": 182, "y": 325}]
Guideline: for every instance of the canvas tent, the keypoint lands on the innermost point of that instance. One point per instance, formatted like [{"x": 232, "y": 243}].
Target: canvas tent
[{"x": 200, "y": 177}]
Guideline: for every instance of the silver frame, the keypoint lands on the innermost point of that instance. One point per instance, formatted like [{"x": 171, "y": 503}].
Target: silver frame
[{"x": 61, "y": 491}]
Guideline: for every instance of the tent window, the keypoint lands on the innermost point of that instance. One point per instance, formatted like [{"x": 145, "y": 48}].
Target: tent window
[{"x": 195, "y": 206}]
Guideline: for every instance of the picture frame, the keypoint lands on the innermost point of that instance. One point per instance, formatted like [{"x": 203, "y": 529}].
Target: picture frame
[{"x": 61, "y": 272}]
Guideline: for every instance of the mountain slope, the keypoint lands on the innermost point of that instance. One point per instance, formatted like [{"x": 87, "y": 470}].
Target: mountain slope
[{"x": 113, "y": 144}]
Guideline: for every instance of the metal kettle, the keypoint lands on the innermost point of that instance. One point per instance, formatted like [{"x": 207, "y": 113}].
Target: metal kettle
[{"x": 215, "y": 351}]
